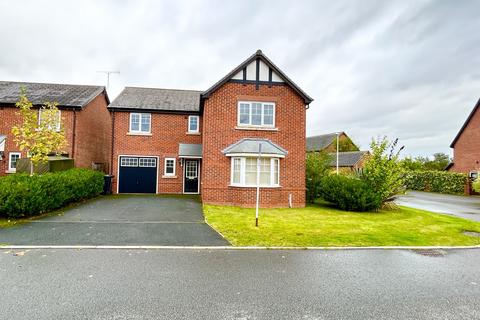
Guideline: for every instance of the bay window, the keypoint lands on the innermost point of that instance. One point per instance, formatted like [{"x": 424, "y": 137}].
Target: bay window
[
  {"x": 244, "y": 172},
  {"x": 256, "y": 114}
]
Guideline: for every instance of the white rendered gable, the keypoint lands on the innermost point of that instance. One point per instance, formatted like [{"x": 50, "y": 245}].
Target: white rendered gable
[{"x": 252, "y": 73}]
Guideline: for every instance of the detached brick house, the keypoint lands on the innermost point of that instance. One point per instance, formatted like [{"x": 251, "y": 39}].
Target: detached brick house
[
  {"x": 181, "y": 141},
  {"x": 466, "y": 145},
  {"x": 83, "y": 113}
]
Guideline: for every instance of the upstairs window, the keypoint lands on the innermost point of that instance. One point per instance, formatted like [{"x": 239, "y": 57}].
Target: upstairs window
[
  {"x": 193, "y": 124},
  {"x": 56, "y": 125},
  {"x": 140, "y": 123},
  {"x": 256, "y": 114}
]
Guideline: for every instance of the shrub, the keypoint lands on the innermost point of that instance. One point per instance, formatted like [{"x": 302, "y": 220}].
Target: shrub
[
  {"x": 436, "y": 181},
  {"x": 22, "y": 195},
  {"x": 382, "y": 170},
  {"x": 349, "y": 193},
  {"x": 476, "y": 185},
  {"x": 317, "y": 166}
]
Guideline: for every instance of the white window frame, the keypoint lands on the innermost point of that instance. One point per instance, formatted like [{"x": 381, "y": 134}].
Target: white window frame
[
  {"x": 273, "y": 184},
  {"x": 174, "y": 167},
  {"x": 129, "y": 162},
  {"x": 139, "y": 131},
  {"x": 198, "y": 124},
  {"x": 147, "y": 162},
  {"x": 473, "y": 174},
  {"x": 10, "y": 169},
  {"x": 59, "y": 123},
  {"x": 262, "y": 125}
]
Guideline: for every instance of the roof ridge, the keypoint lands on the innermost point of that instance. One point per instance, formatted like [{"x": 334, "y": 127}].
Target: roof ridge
[
  {"x": 326, "y": 134},
  {"x": 152, "y": 88},
  {"x": 52, "y": 83},
  {"x": 359, "y": 151}
]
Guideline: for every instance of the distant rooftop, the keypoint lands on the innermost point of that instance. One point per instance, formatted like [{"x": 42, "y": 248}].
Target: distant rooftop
[
  {"x": 320, "y": 142},
  {"x": 346, "y": 159},
  {"x": 157, "y": 99},
  {"x": 67, "y": 95}
]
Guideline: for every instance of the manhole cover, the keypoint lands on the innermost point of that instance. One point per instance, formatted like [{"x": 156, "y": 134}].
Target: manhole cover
[
  {"x": 430, "y": 252},
  {"x": 472, "y": 233}
]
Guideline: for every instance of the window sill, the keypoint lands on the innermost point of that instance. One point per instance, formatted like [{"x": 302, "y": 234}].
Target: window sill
[
  {"x": 193, "y": 133},
  {"x": 169, "y": 177},
  {"x": 256, "y": 128},
  {"x": 254, "y": 187},
  {"x": 138, "y": 134},
  {"x": 11, "y": 171}
]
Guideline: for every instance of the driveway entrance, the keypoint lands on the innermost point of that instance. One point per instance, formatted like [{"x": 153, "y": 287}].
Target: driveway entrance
[
  {"x": 121, "y": 220},
  {"x": 460, "y": 206}
]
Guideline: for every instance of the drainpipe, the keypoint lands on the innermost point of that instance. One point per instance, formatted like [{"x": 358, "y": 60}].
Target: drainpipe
[
  {"x": 113, "y": 143},
  {"x": 74, "y": 135}
]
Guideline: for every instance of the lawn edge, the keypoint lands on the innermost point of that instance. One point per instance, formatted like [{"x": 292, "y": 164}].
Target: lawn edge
[{"x": 82, "y": 247}]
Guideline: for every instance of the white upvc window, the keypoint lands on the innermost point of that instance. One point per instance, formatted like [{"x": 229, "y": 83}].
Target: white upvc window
[
  {"x": 244, "y": 172},
  {"x": 12, "y": 161},
  {"x": 57, "y": 123},
  {"x": 140, "y": 123},
  {"x": 256, "y": 114},
  {"x": 170, "y": 166},
  {"x": 193, "y": 124}
]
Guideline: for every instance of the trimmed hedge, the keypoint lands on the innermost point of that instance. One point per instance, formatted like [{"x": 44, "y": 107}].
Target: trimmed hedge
[
  {"x": 436, "y": 181},
  {"x": 349, "y": 194},
  {"x": 22, "y": 195}
]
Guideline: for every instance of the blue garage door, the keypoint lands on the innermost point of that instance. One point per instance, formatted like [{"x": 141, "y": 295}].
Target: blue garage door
[{"x": 137, "y": 175}]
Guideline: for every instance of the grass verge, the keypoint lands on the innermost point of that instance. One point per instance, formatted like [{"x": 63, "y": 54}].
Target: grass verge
[{"x": 320, "y": 225}]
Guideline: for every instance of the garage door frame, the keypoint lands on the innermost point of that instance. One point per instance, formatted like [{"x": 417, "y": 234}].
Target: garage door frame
[{"x": 137, "y": 156}]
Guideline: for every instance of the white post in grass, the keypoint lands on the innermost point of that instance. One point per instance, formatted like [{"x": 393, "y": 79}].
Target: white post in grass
[
  {"x": 338, "y": 138},
  {"x": 258, "y": 182}
]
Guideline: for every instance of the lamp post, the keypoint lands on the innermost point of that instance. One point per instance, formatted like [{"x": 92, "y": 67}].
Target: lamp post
[
  {"x": 258, "y": 182},
  {"x": 338, "y": 143}
]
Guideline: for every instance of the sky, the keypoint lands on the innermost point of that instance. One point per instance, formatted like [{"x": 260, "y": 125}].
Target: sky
[{"x": 402, "y": 69}]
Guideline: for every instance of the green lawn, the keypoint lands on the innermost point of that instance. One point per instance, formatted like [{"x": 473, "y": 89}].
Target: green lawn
[{"x": 320, "y": 225}]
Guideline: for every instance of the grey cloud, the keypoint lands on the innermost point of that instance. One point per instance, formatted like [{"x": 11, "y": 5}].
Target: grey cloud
[{"x": 407, "y": 69}]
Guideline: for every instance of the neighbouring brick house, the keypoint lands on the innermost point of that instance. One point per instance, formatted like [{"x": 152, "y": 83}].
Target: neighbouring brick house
[
  {"x": 181, "y": 141},
  {"x": 466, "y": 145},
  {"x": 83, "y": 113}
]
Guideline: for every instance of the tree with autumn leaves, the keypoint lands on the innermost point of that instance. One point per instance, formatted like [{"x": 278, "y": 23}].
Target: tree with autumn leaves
[{"x": 39, "y": 137}]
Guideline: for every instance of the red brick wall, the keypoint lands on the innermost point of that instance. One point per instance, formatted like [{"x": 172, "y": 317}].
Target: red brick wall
[
  {"x": 93, "y": 134},
  {"x": 168, "y": 130},
  {"x": 466, "y": 152},
  {"x": 10, "y": 118},
  {"x": 220, "y": 119}
]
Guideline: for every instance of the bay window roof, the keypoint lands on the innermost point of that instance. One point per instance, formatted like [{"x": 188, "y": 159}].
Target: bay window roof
[{"x": 251, "y": 146}]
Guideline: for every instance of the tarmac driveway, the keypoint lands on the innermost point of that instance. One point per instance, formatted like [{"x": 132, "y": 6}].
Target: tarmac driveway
[
  {"x": 121, "y": 220},
  {"x": 467, "y": 207}
]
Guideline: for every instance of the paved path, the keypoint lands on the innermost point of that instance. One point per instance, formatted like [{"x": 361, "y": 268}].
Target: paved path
[
  {"x": 129, "y": 220},
  {"x": 201, "y": 284},
  {"x": 461, "y": 206}
]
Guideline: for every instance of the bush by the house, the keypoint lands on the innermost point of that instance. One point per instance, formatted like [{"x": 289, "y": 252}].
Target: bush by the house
[
  {"x": 317, "y": 166},
  {"x": 349, "y": 193},
  {"x": 382, "y": 170},
  {"x": 22, "y": 195},
  {"x": 436, "y": 181},
  {"x": 476, "y": 185}
]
